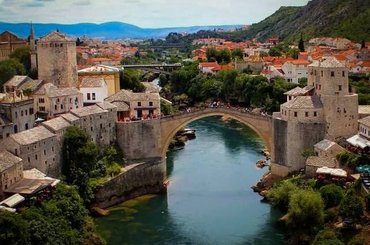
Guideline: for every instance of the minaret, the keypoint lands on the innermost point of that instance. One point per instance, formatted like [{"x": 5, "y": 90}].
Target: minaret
[{"x": 33, "y": 51}]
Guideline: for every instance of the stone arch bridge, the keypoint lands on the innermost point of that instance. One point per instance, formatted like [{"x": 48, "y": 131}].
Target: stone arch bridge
[
  {"x": 144, "y": 145},
  {"x": 148, "y": 139}
]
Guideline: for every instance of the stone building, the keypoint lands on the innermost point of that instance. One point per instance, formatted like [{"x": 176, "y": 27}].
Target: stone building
[
  {"x": 57, "y": 62},
  {"x": 97, "y": 122},
  {"x": 140, "y": 105},
  {"x": 11, "y": 170},
  {"x": 8, "y": 43},
  {"x": 22, "y": 83},
  {"x": 16, "y": 113},
  {"x": 323, "y": 109},
  {"x": 94, "y": 90},
  {"x": 51, "y": 101},
  {"x": 110, "y": 74},
  {"x": 37, "y": 147}
]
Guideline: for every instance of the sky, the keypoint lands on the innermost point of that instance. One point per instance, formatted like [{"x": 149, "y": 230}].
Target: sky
[{"x": 143, "y": 13}]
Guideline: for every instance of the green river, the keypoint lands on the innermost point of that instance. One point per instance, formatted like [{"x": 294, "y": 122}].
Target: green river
[{"x": 209, "y": 199}]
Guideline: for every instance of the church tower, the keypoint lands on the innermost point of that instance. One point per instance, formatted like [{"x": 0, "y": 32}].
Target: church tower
[
  {"x": 33, "y": 52},
  {"x": 57, "y": 62}
]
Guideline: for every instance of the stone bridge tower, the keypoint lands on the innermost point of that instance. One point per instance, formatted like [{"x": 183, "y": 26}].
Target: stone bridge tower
[{"x": 57, "y": 62}]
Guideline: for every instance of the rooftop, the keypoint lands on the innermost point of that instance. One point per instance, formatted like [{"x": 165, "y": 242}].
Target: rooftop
[
  {"x": 88, "y": 110},
  {"x": 69, "y": 117},
  {"x": 15, "y": 81},
  {"x": 51, "y": 90},
  {"x": 298, "y": 91},
  {"x": 99, "y": 69},
  {"x": 93, "y": 82},
  {"x": 121, "y": 106},
  {"x": 32, "y": 135},
  {"x": 324, "y": 144},
  {"x": 56, "y": 36},
  {"x": 321, "y": 161},
  {"x": 128, "y": 96},
  {"x": 304, "y": 102},
  {"x": 327, "y": 62},
  {"x": 56, "y": 124},
  {"x": 7, "y": 160},
  {"x": 365, "y": 121},
  {"x": 106, "y": 105},
  {"x": 29, "y": 186}
]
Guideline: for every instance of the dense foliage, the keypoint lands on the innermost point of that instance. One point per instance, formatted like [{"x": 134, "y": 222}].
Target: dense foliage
[
  {"x": 84, "y": 165},
  {"x": 231, "y": 86},
  {"x": 130, "y": 79},
  {"x": 332, "y": 195},
  {"x": 61, "y": 220},
  {"x": 326, "y": 237},
  {"x": 351, "y": 206},
  {"x": 9, "y": 68}
]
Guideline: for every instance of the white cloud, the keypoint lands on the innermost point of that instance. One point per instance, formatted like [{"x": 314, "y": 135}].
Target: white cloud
[{"x": 144, "y": 13}]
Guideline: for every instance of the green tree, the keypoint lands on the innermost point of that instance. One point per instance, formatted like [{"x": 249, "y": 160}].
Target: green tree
[
  {"x": 211, "y": 54},
  {"x": 9, "y": 68},
  {"x": 306, "y": 211},
  {"x": 280, "y": 194},
  {"x": 237, "y": 54},
  {"x": 332, "y": 195},
  {"x": 223, "y": 56},
  {"x": 274, "y": 51},
  {"x": 13, "y": 228},
  {"x": 326, "y": 237},
  {"x": 129, "y": 79},
  {"x": 351, "y": 206},
  {"x": 23, "y": 55}
]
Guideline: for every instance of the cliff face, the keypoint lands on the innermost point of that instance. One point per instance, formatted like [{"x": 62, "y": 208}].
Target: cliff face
[{"x": 345, "y": 18}]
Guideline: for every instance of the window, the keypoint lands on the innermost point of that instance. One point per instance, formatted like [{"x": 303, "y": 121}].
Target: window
[
  {"x": 41, "y": 100},
  {"x": 315, "y": 114},
  {"x": 101, "y": 126},
  {"x": 322, "y": 73},
  {"x": 93, "y": 96},
  {"x": 61, "y": 45},
  {"x": 295, "y": 114},
  {"x": 31, "y": 111},
  {"x": 138, "y": 103},
  {"x": 56, "y": 107},
  {"x": 26, "y": 112},
  {"x": 343, "y": 73},
  {"x": 36, "y": 157},
  {"x": 306, "y": 114},
  {"x": 88, "y": 96},
  {"x": 22, "y": 113},
  {"x": 41, "y": 108},
  {"x": 92, "y": 129},
  {"x": 29, "y": 159},
  {"x": 26, "y": 126},
  {"x": 16, "y": 152},
  {"x": 332, "y": 74},
  {"x": 340, "y": 87},
  {"x": 16, "y": 114},
  {"x": 58, "y": 100},
  {"x": 150, "y": 103},
  {"x": 61, "y": 106}
]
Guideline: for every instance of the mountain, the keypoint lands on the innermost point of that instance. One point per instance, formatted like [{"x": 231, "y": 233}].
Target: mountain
[
  {"x": 108, "y": 30},
  {"x": 344, "y": 18}
]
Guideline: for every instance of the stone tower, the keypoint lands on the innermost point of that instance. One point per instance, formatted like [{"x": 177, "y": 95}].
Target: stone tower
[
  {"x": 33, "y": 52},
  {"x": 329, "y": 77},
  {"x": 325, "y": 108},
  {"x": 57, "y": 62}
]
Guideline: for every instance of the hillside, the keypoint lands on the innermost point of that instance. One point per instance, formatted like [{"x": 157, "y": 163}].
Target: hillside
[
  {"x": 346, "y": 18},
  {"x": 108, "y": 30}
]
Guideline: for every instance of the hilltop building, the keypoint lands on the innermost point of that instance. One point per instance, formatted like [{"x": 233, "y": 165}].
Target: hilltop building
[
  {"x": 324, "y": 109},
  {"x": 56, "y": 58}
]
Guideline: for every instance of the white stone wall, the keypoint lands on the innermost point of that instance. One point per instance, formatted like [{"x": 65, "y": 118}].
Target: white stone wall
[{"x": 96, "y": 95}]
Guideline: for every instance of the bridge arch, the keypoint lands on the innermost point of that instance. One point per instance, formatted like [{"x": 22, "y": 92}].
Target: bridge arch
[{"x": 262, "y": 125}]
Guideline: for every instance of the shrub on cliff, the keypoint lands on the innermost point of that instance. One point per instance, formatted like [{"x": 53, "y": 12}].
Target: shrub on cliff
[
  {"x": 326, "y": 237},
  {"x": 351, "y": 206},
  {"x": 306, "y": 211},
  {"x": 332, "y": 195},
  {"x": 280, "y": 194}
]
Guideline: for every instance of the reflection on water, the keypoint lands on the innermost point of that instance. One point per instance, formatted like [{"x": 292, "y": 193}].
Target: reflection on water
[{"x": 209, "y": 200}]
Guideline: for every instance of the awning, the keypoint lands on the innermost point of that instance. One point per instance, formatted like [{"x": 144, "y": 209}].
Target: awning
[
  {"x": 359, "y": 141},
  {"x": 12, "y": 201},
  {"x": 323, "y": 170}
]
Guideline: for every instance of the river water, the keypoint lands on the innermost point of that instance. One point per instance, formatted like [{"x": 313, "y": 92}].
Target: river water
[{"x": 209, "y": 199}]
